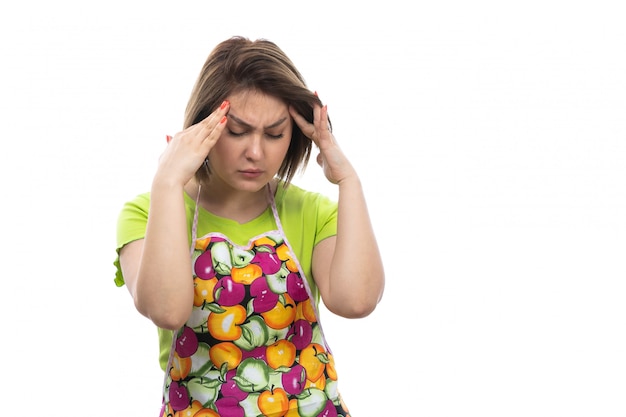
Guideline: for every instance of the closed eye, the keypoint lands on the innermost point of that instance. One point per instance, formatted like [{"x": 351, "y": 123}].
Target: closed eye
[
  {"x": 241, "y": 134},
  {"x": 236, "y": 134}
]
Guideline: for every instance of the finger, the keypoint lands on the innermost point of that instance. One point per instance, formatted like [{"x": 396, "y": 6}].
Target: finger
[
  {"x": 307, "y": 128},
  {"x": 215, "y": 119},
  {"x": 211, "y": 127},
  {"x": 302, "y": 123}
]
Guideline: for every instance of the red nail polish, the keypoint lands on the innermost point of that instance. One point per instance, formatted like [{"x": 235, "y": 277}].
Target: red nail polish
[
  {"x": 168, "y": 138},
  {"x": 223, "y": 120},
  {"x": 224, "y": 104}
]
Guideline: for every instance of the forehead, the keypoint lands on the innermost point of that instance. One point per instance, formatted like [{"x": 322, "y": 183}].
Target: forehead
[{"x": 256, "y": 108}]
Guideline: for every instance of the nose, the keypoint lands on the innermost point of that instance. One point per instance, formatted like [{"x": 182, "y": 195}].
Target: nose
[{"x": 254, "y": 148}]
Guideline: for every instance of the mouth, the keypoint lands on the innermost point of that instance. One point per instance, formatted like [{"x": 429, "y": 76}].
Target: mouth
[{"x": 251, "y": 173}]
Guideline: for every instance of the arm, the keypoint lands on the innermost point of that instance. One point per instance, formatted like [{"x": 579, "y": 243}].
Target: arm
[
  {"x": 347, "y": 268},
  {"x": 157, "y": 269}
]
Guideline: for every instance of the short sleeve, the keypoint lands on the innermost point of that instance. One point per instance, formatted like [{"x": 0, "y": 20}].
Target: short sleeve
[
  {"x": 326, "y": 218},
  {"x": 131, "y": 226}
]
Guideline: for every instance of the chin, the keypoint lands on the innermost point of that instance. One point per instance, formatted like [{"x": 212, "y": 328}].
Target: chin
[{"x": 251, "y": 186}]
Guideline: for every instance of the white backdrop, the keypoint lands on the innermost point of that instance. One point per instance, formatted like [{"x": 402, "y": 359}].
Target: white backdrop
[{"x": 491, "y": 140}]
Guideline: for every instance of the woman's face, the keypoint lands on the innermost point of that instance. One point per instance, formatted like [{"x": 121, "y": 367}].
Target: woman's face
[{"x": 254, "y": 144}]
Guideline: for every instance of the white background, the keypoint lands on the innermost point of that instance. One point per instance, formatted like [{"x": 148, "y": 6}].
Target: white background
[{"x": 491, "y": 140}]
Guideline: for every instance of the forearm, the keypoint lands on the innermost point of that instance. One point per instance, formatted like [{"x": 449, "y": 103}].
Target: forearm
[
  {"x": 164, "y": 290},
  {"x": 356, "y": 274}
]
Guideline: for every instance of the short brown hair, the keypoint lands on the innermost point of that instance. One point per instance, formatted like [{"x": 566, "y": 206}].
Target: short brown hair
[{"x": 238, "y": 64}]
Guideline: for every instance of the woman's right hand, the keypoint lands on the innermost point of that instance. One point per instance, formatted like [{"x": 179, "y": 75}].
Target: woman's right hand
[{"x": 187, "y": 150}]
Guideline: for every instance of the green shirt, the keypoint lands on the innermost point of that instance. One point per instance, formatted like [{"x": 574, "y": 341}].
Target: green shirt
[{"x": 307, "y": 218}]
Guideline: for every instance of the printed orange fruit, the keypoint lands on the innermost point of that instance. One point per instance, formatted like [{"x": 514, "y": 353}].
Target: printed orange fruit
[
  {"x": 247, "y": 274},
  {"x": 273, "y": 402},
  {"x": 281, "y": 353},
  {"x": 313, "y": 359},
  {"x": 225, "y": 326},
  {"x": 225, "y": 352},
  {"x": 180, "y": 367},
  {"x": 282, "y": 314}
]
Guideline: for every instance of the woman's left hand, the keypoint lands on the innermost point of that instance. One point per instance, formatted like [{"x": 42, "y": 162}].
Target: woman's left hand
[{"x": 331, "y": 158}]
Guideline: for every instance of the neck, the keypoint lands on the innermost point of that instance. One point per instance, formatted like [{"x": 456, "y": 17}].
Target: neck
[{"x": 241, "y": 206}]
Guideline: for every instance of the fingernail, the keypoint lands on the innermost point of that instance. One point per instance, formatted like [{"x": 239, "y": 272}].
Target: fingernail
[
  {"x": 224, "y": 104},
  {"x": 168, "y": 138},
  {"x": 223, "y": 120}
]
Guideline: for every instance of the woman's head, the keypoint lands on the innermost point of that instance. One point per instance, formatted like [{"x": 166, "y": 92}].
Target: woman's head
[{"x": 239, "y": 64}]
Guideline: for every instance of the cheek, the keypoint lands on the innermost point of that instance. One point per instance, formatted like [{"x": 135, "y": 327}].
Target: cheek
[
  {"x": 224, "y": 148},
  {"x": 283, "y": 150}
]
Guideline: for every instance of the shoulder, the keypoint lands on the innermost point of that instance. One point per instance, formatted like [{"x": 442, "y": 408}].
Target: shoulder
[
  {"x": 299, "y": 205},
  {"x": 142, "y": 199},
  {"x": 294, "y": 195},
  {"x": 136, "y": 206}
]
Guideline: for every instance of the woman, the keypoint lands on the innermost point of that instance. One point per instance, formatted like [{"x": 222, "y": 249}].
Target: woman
[{"x": 229, "y": 260}]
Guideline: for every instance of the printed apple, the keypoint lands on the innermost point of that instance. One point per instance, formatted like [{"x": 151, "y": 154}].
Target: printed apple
[
  {"x": 314, "y": 359},
  {"x": 331, "y": 372},
  {"x": 241, "y": 257},
  {"x": 317, "y": 336},
  {"x": 332, "y": 391},
  {"x": 293, "y": 408},
  {"x": 229, "y": 406},
  {"x": 246, "y": 274},
  {"x": 205, "y": 390},
  {"x": 203, "y": 291},
  {"x": 319, "y": 383},
  {"x": 296, "y": 287},
  {"x": 220, "y": 254},
  {"x": 202, "y": 243},
  {"x": 178, "y": 396},
  {"x": 277, "y": 281},
  {"x": 180, "y": 367},
  {"x": 264, "y": 241},
  {"x": 251, "y": 405},
  {"x": 311, "y": 402},
  {"x": 203, "y": 267},
  {"x": 329, "y": 410},
  {"x": 267, "y": 259},
  {"x": 205, "y": 412},
  {"x": 253, "y": 333},
  {"x": 252, "y": 375},
  {"x": 197, "y": 320},
  {"x": 263, "y": 298},
  {"x": 229, "y": 387},
  {"x": 281, "y": 354},
  {"x": 256, "y": 353},
  {"x": 225, "y": 354},
  {"x": 273, "y": 335},
  {"x": 186, "y": 342},
  {"x": 300, "y": 334},
  {"x": 284, "y": 254},
  {"x": 200, "y": 361},
  {"x": 227, "y": 292},
  {"x": 294, "y": 379},
  {"x": 273, "y": 402},
  {"x": 193, "y": 408},
  {"x": 305, "y": 310},
  {"x": 282, "y": 314},
  {"x": 225, "y": 325}
]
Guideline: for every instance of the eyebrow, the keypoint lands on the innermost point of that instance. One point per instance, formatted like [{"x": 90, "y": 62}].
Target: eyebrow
[{"x": 249, "y": 126}]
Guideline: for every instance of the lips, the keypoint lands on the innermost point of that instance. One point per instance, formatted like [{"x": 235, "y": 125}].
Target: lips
[{"x": 251, "y": 173}]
